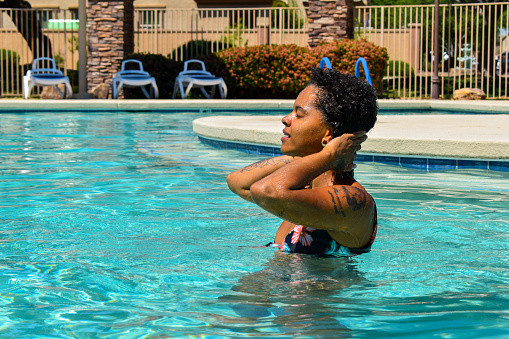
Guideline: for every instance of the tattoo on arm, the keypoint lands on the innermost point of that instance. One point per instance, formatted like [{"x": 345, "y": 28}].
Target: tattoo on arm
[
  {"x": 356, "y": 200},
  {"x": 264, "y": 163},
  {"x": 338, "y": 207}
]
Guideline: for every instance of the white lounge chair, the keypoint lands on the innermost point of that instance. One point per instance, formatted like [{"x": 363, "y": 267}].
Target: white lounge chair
[
  {"x": 198, "y": 79},
  {"x": 45, "y": 76},
  {"x": 134, "y": 78}
]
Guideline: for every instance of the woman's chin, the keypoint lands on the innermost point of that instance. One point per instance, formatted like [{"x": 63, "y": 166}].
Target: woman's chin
[
  {"x": 298, "y": 152},
  {"x": 286, "y": 151}
]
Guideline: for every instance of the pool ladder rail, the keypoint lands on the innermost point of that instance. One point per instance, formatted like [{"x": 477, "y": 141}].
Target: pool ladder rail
[{"x": 326, "y": 62}]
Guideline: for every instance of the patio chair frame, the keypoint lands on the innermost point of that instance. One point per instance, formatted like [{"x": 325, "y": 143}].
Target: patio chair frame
[
  {"x": 134, "y": 78},
  {"x": 187, "y": 79},
  {"x": 51, "y": 76}
]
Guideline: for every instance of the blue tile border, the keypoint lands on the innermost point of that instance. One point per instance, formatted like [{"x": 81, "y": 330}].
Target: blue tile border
[
  {"x": 501, "y": 166},
  {"x": 247, "y": 148},
  {"x": 477, "y": 164},
  {"x": 411, "y": 162},
  {"x": 437, "y": 164},
  {"x": 387, "y": 159},
  {"x": 416, "y": 162}
]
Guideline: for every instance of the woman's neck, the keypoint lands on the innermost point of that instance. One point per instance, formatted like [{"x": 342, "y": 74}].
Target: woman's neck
[
  {"x": 330, "y": 178},
  {"x": 325, "y": 179}
]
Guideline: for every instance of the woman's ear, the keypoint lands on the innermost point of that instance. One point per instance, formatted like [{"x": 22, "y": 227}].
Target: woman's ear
[{"x": 328, "y": 135}]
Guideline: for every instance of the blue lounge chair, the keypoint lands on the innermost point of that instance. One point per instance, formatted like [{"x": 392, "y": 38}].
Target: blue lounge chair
[
  {"x": 134, "y": 78},
  {"x": 199, "y": 79},
  {"x": 45, "y": 76}
]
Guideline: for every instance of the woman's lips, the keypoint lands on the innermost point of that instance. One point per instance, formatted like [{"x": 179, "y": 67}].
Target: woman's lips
[{"x": 286, "y": 136}]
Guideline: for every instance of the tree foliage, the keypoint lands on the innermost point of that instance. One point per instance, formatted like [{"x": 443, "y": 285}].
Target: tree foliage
[
  {"x": 29, "y": 26},
  {"x": 427, "y": 2}
]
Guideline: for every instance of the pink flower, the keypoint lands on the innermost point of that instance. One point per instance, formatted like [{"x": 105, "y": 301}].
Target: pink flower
[
  {"x": 296, "y": 233},
  {"x": 302, "y": 234}
]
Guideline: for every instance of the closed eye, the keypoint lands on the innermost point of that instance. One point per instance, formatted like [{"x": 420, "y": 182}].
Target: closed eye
[{"x": 300, "y": 112}]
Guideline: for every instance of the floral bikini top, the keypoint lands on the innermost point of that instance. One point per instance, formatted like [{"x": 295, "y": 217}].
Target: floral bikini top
[{"x": 309, "y": 240}]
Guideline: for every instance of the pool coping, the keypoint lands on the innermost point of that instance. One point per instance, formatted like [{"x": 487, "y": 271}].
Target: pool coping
[
  {"x": 407, "y": 161},
  {"x": 429, "y": 142},
  {"x": 405, "y": 151},
  {"x": 487, "y": 106}
]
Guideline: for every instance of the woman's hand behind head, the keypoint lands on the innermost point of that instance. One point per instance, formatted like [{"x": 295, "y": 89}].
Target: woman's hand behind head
[{"x": 344, "y": 148}]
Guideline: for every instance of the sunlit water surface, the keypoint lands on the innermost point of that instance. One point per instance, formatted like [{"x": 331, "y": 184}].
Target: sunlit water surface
[{"x": 121, "y": 225}]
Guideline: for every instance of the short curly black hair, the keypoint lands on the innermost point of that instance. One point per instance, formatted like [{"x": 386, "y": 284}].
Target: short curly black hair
[{"x": 347, "y": 103}]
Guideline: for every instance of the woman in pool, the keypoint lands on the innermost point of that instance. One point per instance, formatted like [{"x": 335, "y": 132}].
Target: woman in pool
[{"x": 325, "y": 211}]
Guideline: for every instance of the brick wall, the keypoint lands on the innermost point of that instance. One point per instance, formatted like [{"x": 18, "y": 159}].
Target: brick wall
[
  {"x": 110, "y": 38},
  {"x": 329, "y": 20}
]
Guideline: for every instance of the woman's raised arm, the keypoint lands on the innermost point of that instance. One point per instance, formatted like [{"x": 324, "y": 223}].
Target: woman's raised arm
[
  {"x": 241, "y": 180},
  {"x": 340, "y": 208}
]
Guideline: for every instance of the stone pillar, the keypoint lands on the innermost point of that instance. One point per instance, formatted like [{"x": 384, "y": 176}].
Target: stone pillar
[
  {"x": 330, "y": 20},
  {"x": 110, "y": 38}
]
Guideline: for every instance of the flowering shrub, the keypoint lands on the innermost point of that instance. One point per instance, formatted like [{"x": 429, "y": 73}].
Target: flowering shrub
[
  {"x": 270, "y": 72},
  {"x": 344, "y": 54},
  {"x": 282, "y": 71},
  {"x": 278, "y": 71}
]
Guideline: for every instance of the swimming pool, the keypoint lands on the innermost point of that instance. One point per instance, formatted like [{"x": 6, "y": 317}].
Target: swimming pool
[{"x": 121, "y": 225}]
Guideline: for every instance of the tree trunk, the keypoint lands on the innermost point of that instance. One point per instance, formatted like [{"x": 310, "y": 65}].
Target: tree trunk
[{"x": 29, "y": 27}]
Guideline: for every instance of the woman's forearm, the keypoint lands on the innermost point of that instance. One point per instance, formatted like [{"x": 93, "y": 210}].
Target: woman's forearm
[
  {"x": 293, "y": 176},
  {"x": 241, "y": 180},
  {"x": 338, "y": 155}
]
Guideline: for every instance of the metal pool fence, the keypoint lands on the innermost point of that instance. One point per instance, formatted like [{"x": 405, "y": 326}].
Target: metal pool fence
[
  {"x": 472, "y": 51},
  {"x": 180, "y": 33},
  {"x": 186, "y": 33},
  {"x": 29, "y": 33}
]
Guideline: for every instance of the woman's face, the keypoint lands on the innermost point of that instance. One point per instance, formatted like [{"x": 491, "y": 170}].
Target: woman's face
[{"x": 305, "y": 127}]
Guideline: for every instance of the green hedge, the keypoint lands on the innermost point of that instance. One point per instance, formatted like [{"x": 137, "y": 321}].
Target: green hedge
[
  {"x": 10, "y": 65},
  {"x": 271, "y": 72},
  {"x": 400, "y": 68}
]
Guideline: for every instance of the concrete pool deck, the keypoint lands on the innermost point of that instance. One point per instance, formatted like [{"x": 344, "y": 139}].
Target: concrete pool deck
[
  {"x": 461, "y": 135},
  {"x": 448, "y": 136},
  {"x": 488, "y": 106}
]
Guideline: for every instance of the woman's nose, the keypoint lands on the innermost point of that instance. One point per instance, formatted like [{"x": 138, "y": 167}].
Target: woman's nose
[{"x": 286, "y": 120}]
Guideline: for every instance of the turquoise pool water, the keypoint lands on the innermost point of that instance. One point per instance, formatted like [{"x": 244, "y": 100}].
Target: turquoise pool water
[{"x": 121, "y": 226}]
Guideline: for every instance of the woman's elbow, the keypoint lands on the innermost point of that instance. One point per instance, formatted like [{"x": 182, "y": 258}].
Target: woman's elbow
[
  {"x": 231, "y": 182},
  {"x": 263, "y": 192},
  {"x": 236, "y": 187}
]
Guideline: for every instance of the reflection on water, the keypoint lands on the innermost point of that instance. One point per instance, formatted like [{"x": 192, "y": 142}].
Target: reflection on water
[
  {"x": 294, "y": 293},
  {"x": 121, "y": 225}
]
